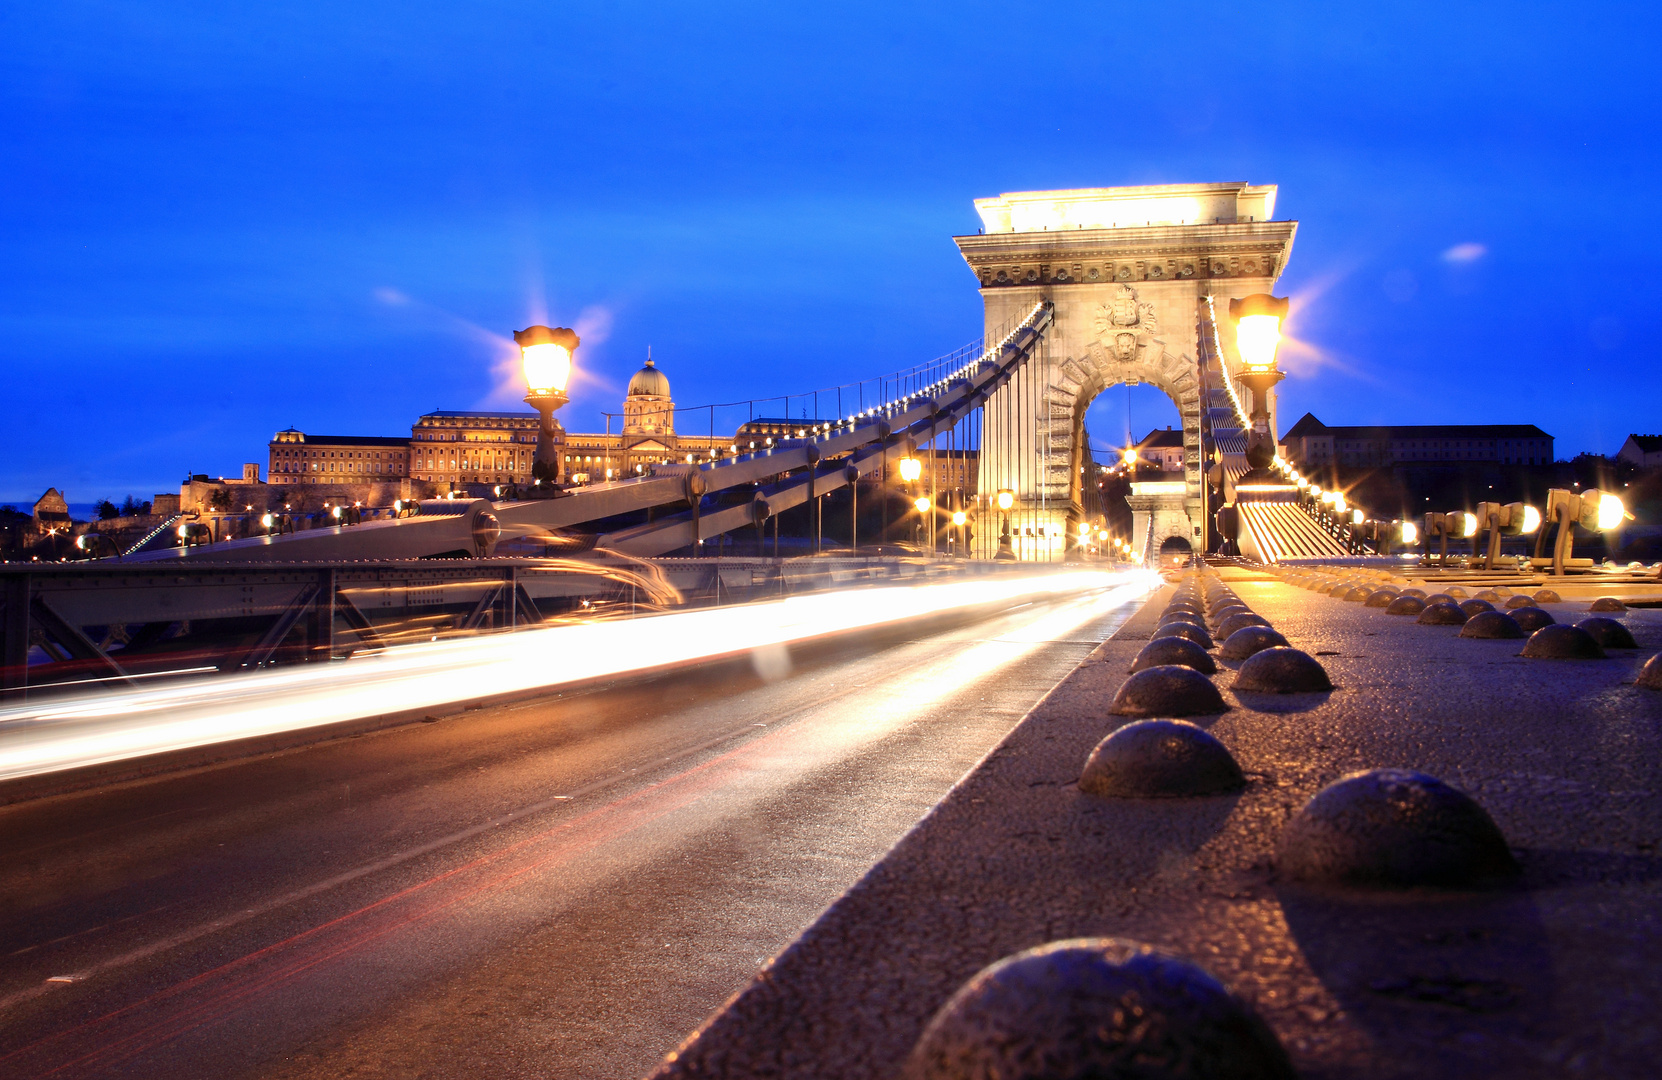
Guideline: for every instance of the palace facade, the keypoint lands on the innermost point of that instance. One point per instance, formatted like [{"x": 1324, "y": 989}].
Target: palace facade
[{"x": 461, "y": 447}]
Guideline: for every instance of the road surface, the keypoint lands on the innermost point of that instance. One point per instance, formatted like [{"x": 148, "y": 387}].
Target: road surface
[{"x": 563, "y": 887}]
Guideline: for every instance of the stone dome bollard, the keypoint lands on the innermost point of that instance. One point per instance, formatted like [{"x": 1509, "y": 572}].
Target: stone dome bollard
[
  {"x": 1248, "y": 640},
  {"x": 1096, "y": 1009},
  {"x": 1193, "y": 631},
  {"x": 1609, "y": 633},
  {"x": 1168, "y": 690},
  {"x": 1235, "y": 622},
  {"x": 1442, "y": 614},
  {"x": 1174, "y": 650},
  {"x": 1405, "y": 605},
  {"x": 1394, "y": 828},
  {"x": 1282, "y": 670},
  {"x": 1562, "y": 642},
  {"x": 1153, "y": 759},
  {"x": 1492, "y": 625}
]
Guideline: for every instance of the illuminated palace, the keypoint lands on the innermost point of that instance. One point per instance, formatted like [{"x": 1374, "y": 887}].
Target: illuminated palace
[{"x": 446, "y": 447}]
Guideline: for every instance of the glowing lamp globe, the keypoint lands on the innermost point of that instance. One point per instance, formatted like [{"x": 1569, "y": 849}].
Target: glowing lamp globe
[
  {"x": 922, "y": 503},
  {"x": 910, "y": 469},
  {"x": 959, "y": 517},
  {"x": 1258, "y": 328},
  {"x": 1006, "y": 498},
  {"x": 545, "y": 353},
  {"x": 1611, "y": 511}
]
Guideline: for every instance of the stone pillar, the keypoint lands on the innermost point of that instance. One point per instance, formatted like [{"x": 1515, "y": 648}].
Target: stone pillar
[
  {"x": 1127, "y": 270},
  {"x": 1158, "y": 513}
]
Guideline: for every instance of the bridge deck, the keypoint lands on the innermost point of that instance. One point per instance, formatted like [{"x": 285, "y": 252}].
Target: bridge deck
[{"x": 1558, "y": 977}]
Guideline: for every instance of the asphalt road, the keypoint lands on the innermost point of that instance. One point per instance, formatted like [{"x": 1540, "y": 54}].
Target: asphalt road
[{"x": 556, "y": 888}]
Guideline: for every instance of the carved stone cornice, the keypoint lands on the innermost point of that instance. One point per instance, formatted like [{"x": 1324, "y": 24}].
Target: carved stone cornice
[{"x": 1151, "y": 253}]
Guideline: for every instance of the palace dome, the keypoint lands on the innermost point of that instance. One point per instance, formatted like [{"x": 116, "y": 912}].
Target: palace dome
[{"x": 649, "y": 382}]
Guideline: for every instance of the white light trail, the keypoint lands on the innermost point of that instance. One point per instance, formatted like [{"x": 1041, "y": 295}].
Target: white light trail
[{"x": 97, "y": 728}]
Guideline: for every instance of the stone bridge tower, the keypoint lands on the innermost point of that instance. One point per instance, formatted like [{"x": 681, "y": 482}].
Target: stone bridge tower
[{"x": 1127, "y": 270}]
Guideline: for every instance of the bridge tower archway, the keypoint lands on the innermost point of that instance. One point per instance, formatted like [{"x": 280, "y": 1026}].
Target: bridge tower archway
[{"x": 1127, "y": 271}]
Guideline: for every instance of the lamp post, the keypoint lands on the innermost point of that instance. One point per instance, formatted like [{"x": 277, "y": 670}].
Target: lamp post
[
  {"x": 1257, "y": 334},
  {"x": 1006, "y": 499},
  {"x": 545, "y": 353},
  {"x": 910, "y": 468}
]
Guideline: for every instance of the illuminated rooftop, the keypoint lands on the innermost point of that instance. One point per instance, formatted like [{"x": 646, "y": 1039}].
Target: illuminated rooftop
[{"x": 1127, "y": 207}]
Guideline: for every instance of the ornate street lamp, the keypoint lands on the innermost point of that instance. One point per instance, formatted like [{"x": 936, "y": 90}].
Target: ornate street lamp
[
  {"x": 1257, "y": 334},
  {"x": 546, "y": 353},
  {"x": 1006, "y": 499}
]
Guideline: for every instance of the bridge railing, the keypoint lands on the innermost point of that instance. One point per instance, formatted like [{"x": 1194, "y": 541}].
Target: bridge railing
[
  {"x": 814, "y": 409},
  {"x": 783, "y": 473}
]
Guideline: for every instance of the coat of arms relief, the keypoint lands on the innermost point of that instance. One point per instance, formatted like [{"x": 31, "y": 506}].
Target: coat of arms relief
[{"x": 1125, "y": 324}]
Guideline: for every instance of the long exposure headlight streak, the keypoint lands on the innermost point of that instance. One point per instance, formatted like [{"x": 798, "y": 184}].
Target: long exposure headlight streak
[{"x": 98, "y": 728}]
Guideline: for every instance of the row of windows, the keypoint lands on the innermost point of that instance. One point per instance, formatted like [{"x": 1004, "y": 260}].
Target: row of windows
[
  {"x": 474, "y": 436},
  {"x": 360, "y": 455},
  {"x": 333, "y": 467}
]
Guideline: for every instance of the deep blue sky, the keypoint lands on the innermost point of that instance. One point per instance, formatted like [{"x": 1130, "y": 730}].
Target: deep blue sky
[{"x": 218, "y": 220}]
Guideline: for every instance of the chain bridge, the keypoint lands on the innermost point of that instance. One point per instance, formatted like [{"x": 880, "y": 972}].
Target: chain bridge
[{"x": 1082, "y": 290}]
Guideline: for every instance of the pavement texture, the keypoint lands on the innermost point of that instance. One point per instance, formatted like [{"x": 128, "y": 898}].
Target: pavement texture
[
  {"x": 1558, "y": 975},
  {"x": 559, "y": 887}
]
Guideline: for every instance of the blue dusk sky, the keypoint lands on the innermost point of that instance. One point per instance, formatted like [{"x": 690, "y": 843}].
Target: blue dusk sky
[{"x": 220, "y": 220}]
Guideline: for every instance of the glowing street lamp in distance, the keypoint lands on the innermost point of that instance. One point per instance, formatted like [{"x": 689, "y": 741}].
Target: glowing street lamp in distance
[
  {"x": 910, "y": 469},
  {"x": 1006, "y": 498}
]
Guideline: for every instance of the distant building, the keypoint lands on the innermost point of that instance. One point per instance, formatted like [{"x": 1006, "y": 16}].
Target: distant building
[
  {"x": 1311, "y": 443},
  {"x": 954, "y": 470},
  {"x": 51, "y": 512},
  {"x": 298, "y": 458},
  {"x": 461, "y": 447},
  {"x": 1645, "y": 451},
  {"x": 473, "y": 447},
  {"x": 1163, "y": 449}
]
